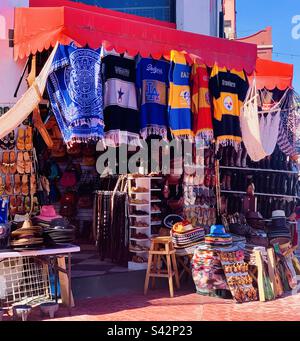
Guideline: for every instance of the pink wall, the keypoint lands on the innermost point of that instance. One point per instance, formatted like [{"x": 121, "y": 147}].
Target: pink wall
[
  {"x": 230, "y": 7},
  {"x": 10, "y": 71}
]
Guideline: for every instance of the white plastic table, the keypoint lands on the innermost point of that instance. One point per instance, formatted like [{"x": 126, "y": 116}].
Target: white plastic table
[{"x": 59, "y": 254}]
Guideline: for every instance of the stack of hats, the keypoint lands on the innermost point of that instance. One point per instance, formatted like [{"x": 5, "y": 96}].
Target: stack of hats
[
  {"x": 218, "y": 236},
  {"x": 279, "y": 227},
  {"x": 255, "y": 220},
  {"x": 56, "y": 229},
  {"x": 184, "y": 235},
  {"x": 27, "y": 236}
]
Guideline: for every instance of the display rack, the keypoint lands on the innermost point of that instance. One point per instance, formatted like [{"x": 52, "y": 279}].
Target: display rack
[
  {"x": 146, "y": 182},
  {"x": 259, "y": 170}
]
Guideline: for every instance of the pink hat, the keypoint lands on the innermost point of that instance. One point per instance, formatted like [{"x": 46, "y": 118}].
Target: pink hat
[{"x": 48, "y": 213}]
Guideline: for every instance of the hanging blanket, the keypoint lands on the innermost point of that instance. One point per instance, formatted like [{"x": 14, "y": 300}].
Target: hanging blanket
[
  {"x": 75, "y": 92},
  {"x": 152, "y": 83},
  {"x": 269, "y": 128},
  {"x": 180, "y": 114},
  {"x": 201, "y": 104},
  {"x": 250, "y": 126},
  {"x": 229, "y": 90},
  {"x": 121, "y": 115}
]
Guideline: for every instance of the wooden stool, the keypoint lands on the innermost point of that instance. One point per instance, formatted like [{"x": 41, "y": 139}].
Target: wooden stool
[{"x": 161, "y": 248}]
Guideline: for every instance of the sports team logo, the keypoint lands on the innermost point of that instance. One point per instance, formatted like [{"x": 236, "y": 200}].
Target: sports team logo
[
  {"x": 185, "y": 97},
  {"x": 152, "y": 95},
  {"x": 228, "y": 103}
]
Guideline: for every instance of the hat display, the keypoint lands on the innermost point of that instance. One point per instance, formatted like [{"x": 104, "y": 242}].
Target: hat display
[
  {"x": 59, "y": 231},
  {"x": 255, "y": 220},
  {"x": 48, "y": 213},
  {"x": 27, "y": 236},
  {"x": 279, "y": 227},
  {"x": 218, "y": 236},
  {"x": 187, "y": 238}
]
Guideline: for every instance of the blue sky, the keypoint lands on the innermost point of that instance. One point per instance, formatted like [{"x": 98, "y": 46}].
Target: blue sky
[{"x": 254, "y": 15}]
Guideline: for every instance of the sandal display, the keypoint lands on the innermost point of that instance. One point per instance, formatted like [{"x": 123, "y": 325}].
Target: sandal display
[
  {"x": 5, "y": 163},
  {"x": 27, "y": 163},
  {"x": 17, "y": 187},
  {"x": 25, "y": 187},
  {"x": 2, "y": 186},
  {"x": 20, "y": 205},
  {"x": 28, "y": 138},
  {"x": 13, "y": 205},
  {"x": 8, "y": 185},
  {"x": 20, "y": 163},
  {"x": 21, "y": 139},
  {"x": 32, "y": 184},
  {"x": 13, "y": 163}
]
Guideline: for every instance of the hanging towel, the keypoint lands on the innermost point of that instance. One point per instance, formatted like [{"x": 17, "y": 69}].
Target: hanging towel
[
  {"x": 229, "y": 90},
  {"x": 152, "y": 83},
  {"x": 250, "y": 126},
  {"x": 121, "y": 115},
  {"x": 201, "y": 104},
  {"x": 180, "y": 114},
  {"x": 75, "y": 91}
]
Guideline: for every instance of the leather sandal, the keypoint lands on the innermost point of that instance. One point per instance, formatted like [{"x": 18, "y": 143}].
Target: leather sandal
[
  {"x": 28, "y": 138},
  {"x": 21, "y": 139},
  {"x": 8, "y": 186},
  {"x": 25, "y": 187},
  {"x": 5, "y": 163},
  {"x": 13, "y": 163},
  {"x": 2, "y": 186},
  {"x": 17, "y": 186},
  {"x": 27, "y": 163},
  {"x": 32, "y": 184},
  {"x": 20, "y": 204},
  {"x": 20, "y": 163},
  {"x": 27, "y": 204},
  {"x": 13, "y": 205}
]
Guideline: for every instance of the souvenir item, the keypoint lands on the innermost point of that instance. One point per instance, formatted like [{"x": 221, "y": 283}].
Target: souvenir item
[
  {"x": 179, "y": 108},
  {"x": 121, "y": 115},
  {"x": 229, "y": 90},
  {"x": 218, "y": 236},
  {"x": 201, "y": 103},
  {"x": 152, "y": 83},
  {"x": 75, "y": 92}
]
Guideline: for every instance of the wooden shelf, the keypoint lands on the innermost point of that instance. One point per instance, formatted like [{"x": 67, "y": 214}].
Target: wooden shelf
[
  {"x": 138, "y": 216},
  {"x": 259, "y": 169},
  {"x": 138, "y": 204},
  {"x": 139, "y": 227},
  {"x": 140, "y": 240},
  {"x": 263, "y": 194}
]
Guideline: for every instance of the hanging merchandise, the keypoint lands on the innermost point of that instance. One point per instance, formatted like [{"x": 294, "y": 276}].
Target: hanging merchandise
[
  {"x": 201, "y": 104},
  {"x": 289, "y": 124},
  {"x": 152, "y": 83},
  {"x": 250, "y": 126},
  {"x": 180, "y": 115},
  {"x": 121, "y": 116},
  {"x": 229, "y": 90},
  {"x": 75, "y": 91}
]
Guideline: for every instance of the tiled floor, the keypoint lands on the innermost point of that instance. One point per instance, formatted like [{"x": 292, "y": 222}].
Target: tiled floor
[
  {"x": 87, "y": 263},
  {"x": 185, "y": 306}
]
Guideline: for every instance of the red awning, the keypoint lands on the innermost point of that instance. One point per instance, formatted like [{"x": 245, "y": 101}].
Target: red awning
[
  {"x": 271, "y": 75},
  {"x": 38, "y": 28}
]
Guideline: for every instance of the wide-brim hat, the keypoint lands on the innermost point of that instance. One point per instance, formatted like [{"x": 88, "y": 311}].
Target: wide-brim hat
[
  {"x": 48, "y": 213},
  {"x": 218, "y": 231},
  {"x": 278, "y": 214},
  {"x": 27, "y": 230},
  {"x": 254, "y": 216}
]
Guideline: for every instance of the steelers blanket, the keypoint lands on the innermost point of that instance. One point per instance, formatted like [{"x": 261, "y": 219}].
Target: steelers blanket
[{"x": 228, "y": 89}]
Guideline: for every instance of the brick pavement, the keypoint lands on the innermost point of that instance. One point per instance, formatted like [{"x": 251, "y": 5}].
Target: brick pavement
[{"x": 184, "y": 306}]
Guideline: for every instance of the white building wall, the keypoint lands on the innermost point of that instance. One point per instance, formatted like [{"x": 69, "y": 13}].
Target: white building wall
[
  {"x": 198, "y": 16},
  {"x": 10, "y": 71}
]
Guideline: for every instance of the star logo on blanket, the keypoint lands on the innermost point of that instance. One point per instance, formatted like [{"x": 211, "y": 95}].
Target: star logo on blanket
[
  {"x": 228, "y": 103},
  {"x": 186, "y": 97},
  {"x": 152, "y": 95},
  {"x": 120, "y": 95}
]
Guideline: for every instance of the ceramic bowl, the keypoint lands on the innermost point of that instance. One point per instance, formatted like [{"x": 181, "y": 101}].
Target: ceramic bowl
[
  {"x": 49, "y": 308},
  {"x": 22, "y": 311}
]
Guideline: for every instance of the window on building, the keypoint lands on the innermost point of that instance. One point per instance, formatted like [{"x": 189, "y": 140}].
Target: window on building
[{"x": 156, "y": 9}]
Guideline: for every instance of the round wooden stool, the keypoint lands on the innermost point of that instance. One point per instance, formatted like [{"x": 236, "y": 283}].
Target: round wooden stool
[{"x": 162, "y": 249}]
